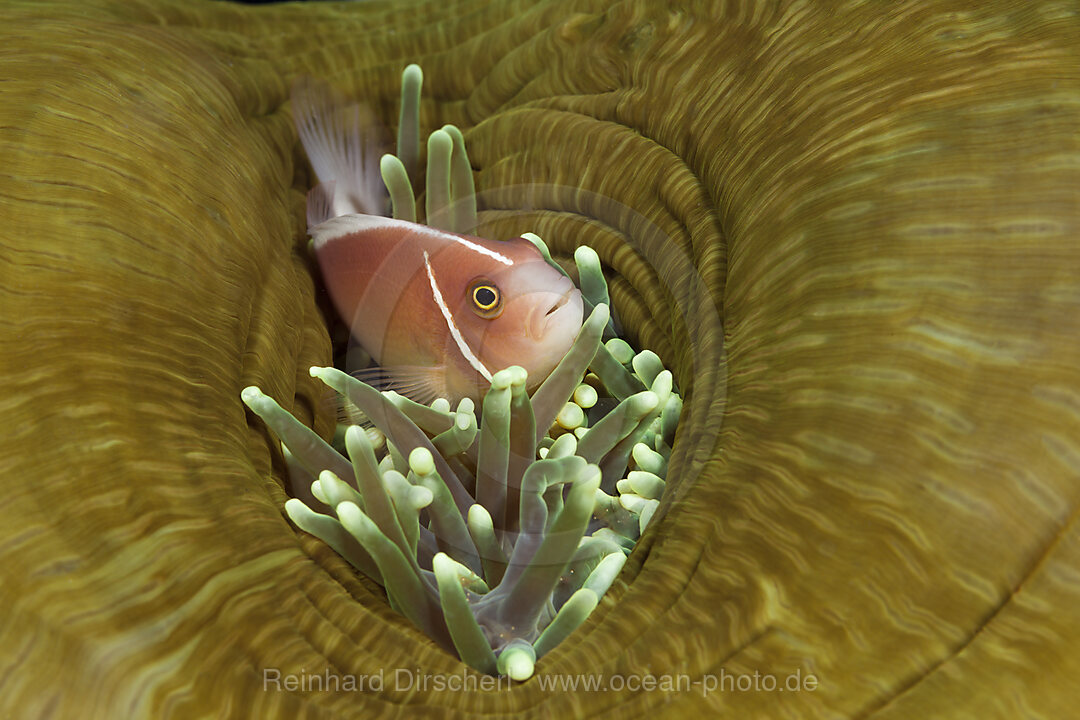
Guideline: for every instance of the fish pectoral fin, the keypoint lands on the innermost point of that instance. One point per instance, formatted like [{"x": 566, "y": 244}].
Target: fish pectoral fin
[
  {"x": 419, "y": 383},
  {"x": 349, "y": 414}
]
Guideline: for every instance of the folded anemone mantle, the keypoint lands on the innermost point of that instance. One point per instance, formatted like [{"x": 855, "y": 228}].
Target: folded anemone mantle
[{"x": 850, "y": 229}]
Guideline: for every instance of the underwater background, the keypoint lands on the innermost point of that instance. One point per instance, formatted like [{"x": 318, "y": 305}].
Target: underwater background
[{"x": 849, "y": 229}]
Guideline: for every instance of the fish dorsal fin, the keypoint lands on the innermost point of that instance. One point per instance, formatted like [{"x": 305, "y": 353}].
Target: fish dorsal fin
[
  {"x": 342, "y": 142},
  {"x": 419, "y": 383},
  {"x": 320, "y": 203}
]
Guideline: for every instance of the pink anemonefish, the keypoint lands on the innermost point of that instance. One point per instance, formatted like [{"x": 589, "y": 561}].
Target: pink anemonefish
[{"x": 440, "y": 312}]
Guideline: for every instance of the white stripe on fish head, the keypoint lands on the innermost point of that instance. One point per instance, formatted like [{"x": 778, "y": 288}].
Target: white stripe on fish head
[{"x": 455, "y": 333}]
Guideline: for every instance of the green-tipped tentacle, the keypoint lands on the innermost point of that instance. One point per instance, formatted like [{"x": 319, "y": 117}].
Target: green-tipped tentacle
[
  {"x": 333, "y": 533},
  {"x": 482, "y": 531},
  {"x": 590, "y": 276},
  {"x": 447, "y": 522},
  {"x": 469, "y": 640},
  {"x": 396, "y": 179},
  {"x": 408, "y": 500},
  {"x": 459, "y": 438},
  {"x": 647, "y": 366},
  {"x": 462, "y": 188},
  {"x": 493, "y": 452},
  {"x": 617, "y": 425},
  {"x": 408, "y": 138},
  {"x": 524, "y": 599},
  {"x": 399, "y": 430},
  {"x": 522, "y": 439},
  {"x": 377, "y": 504},
  {"x": 647, "y": 459},
  {"x": 402, "y": 582},
  {"x": 429, "y": 419},
  {"x": 440, "y": 147},
  {"x": 310, "y": 450},
  {"x": 573, "y": 612},
  {"x": 517, "y": 660},
  {"x": 551, "y": 396}
]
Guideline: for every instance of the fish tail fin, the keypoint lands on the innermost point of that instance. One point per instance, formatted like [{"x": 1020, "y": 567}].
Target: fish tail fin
[{"x": 344, "y": 144}]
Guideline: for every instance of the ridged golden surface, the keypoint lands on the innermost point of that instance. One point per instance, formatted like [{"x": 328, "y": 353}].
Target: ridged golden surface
[{"x": 875, "y": 480}]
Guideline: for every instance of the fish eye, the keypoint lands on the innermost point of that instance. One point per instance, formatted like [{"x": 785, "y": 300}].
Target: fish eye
[{"x": 486, "y": 299}]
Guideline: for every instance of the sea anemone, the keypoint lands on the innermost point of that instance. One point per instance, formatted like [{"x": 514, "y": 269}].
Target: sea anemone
[
  {"x": 497, "y": 537},
  {"x": 492, "y": 537},
  {"x": 875, "y": 481}
]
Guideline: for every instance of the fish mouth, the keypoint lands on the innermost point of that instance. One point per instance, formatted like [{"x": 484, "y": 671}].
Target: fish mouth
[
  {"x": 558, "y": 307},
  {"x": 560, "y": 302}
]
